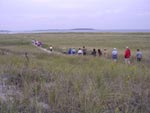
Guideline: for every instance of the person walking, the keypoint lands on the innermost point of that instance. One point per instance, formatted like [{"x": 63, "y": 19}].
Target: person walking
[
  {"x": 138, "y": 55},
  {"x": 51, "y": 48},
  {"x": 127, "y": 55},
  {"x": 105, "y": 53},
  {"x": 84, "y": 50},
  {"x": 70, "y": 51},
  {"x": 73, "y": 51},
  {"x": 99, "y": 52},
  {"x": 80, "y": 52},
  {"x": 94, "y": 52},
  {"x": 115, "y": 55}
]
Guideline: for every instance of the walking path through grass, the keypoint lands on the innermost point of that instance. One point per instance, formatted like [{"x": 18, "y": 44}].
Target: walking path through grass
[{"x": 48, "y": 51}]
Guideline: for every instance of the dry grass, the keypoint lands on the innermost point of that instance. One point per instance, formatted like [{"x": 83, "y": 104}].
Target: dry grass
[{"x": 72, "y": 84}]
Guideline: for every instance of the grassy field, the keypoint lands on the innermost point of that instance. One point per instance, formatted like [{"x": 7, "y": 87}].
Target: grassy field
[{"x": 52, "y": 83}]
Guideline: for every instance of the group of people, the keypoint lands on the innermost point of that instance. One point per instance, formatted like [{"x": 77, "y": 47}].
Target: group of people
[
  {"x": 127, "y": 55},
  {"x": 98, "y": 52},
  {"x": 83, "y": 51},
  {"x": 73, "y": 51},
  {"x": 114, "y": 54},
  {"x": 37, "y": 43}
]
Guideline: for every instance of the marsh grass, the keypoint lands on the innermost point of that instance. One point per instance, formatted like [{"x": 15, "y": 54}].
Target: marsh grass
[
  {"x": 50, "y": 83},
  {"x": 76, "y": 84}
]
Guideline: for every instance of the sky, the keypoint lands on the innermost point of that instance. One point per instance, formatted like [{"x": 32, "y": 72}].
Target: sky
[{"x": 69, "y": 14}]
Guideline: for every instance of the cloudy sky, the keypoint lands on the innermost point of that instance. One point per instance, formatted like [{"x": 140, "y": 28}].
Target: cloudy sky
[{"x": 66, "y": 14}]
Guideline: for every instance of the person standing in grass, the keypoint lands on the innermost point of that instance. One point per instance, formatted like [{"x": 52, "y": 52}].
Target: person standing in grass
[
  {"x": 105, "y": 53},
  {"x": 70, "y": 51},
  {"x": 80, "y": 52},
  {"x": 115, "y": 55},
  {"x": 127, "y": 55},
  {"x": 138, "y": 55},
  {"x": 99, "y": 52},
  {"x": 84, "y": 50},
  {"x": 73, "y": 51},
  {"x": 64, "y": 50},
  {"x": 94, "y": 52},
  {"x": 51, "y": 48}
]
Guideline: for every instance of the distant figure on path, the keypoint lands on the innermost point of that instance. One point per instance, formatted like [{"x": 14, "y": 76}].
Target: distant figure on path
[
  {"x": 94, "y": 52},
  {"x": 138, "y": 55},
  {"x": 115, "y": 55},
  {"x": 33, "y": 42},
  {"x": 39, "y": 44},
  {"x": 99, "y": 52},
  {"x": 80, "y": 52},
  {"x": 84, "y": 50},
  {"x": 51, "y": 48},
  {"x": 127, "y": 55}
]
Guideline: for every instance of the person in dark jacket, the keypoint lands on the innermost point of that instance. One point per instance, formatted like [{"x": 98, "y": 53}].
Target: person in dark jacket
[
  {"x": 99, "y": 52},
  {"x": 70, "y": 51},
  {"x": 138, "y": 55},
  {"x": 94, "y": 52}
]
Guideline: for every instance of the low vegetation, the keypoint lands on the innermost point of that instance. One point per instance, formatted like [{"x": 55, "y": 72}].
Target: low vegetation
[{"x": 50, "y": 83}]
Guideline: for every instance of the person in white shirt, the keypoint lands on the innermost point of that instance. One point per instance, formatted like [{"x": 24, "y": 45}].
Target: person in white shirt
[
  {"x": 51, "y": 48},
  {"x": 80, "y": 52}
]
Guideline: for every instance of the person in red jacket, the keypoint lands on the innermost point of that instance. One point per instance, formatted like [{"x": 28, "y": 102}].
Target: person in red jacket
[{"x": 127, "y": 55}]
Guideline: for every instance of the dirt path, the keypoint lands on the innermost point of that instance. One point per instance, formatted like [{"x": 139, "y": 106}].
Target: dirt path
[{"x": 48, "y": 51}]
